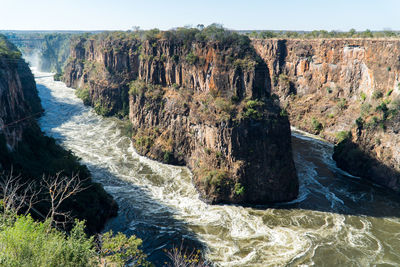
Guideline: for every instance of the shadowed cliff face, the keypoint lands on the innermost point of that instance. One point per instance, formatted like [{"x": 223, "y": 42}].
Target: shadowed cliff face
[
  {"x": 29, "y": 155},
  {"x": 206, "y": 105},
  {"x": 18, "y": 98},
  {"x": 329, "y": 86}
]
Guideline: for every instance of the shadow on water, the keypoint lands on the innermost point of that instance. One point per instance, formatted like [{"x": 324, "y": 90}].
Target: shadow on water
[
  {"x": 326, "y": 188},
  {"x": 139, "y": 213}
]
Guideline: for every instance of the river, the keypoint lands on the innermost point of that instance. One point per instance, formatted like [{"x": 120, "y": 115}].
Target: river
[{"x": 338, "y": 220}]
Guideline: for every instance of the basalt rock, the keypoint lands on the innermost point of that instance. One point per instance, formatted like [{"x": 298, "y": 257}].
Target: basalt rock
[
  {"x": 27, "y": 153},
  {"x": 206, "y": 105},
  {"x": 343, "y": 89}
]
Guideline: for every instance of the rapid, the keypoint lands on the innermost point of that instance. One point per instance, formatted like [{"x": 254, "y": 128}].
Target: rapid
[{"x": 337, "y": 220}]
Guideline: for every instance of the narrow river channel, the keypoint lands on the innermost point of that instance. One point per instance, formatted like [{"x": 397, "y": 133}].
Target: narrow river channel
[{"x": 338, "y": 220}]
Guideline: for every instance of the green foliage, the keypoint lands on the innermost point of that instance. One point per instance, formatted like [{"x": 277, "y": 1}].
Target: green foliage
[
  {"x": 373, "y": 122},
  {"x": 168, "y": 155},
  {"x": 223, "y": 105},
  {"x": 329, "y": 90},
  {"x": 7, "y": 49},
  {"x": 119, "y": 249},
  {"x": 216, "y": 177},
  {"x": 137, "y": 88},
  {"x": 342, "y": 103},
  {"x": 28, "y": 243},
  {"x": 363, "y": 96},
  {"x": 83, "y": 93},
  {"x": 283, "y": 113},
  {"x": 151, "y": 91},
  {"x": 58, "y": 76},
  {"x": 342, "y": 136},
  {"x": 389, "y": 92},
  {"x": 101, "y": 108},
  {"x": 377, "y": 94},
  {"x": 359, "y": 122},
  {"x": 284, "y": 79},
  {"x": 246, "y": 63},
  {"x": 365, "y": 109},
  {"x": 25, "y": 242},
  {"x": 382, "y": 107},
  {"x": 191, "y": 58},
  {"x": 352, "y": 33},
  {"x": 239, "y": 189},
  {"x": 317, "y": 126},
  {"x": 253, "y": 109}
]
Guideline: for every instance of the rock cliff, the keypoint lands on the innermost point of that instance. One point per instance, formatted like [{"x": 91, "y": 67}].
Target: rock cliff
[
  {"x": 205, "y": 104},
  {"x": 345, "y": 90},
  {"x": 25, "y": 150}
]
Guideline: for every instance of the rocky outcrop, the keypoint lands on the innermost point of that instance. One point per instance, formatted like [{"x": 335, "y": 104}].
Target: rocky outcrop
[
  {"x": 345, "y": 90},
  {"x": 203, "y": 104},
  {"x": 25, "y": 151}
]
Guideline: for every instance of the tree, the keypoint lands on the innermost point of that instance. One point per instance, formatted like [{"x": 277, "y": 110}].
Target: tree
[
  {"x": 17, "y": 195},
  {"x": 59, "y": 189}
]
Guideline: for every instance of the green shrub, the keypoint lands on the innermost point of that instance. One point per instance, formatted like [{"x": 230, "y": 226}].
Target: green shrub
[
  {"x": 283, "y": 113},
  {"x": 245, "y": 63},
  {"x": 24, "y": 242},
  {"x": 137, "y": 88},
  {"x": 342, "y": 136},
  {"x": 119, "y": 249},
  {"x": 30, "y": 243},
  {"x": 317, "y": 126},
  {"x": 252, "y": 109},
  {"x": 223, "y": 105},
  {"x": 101, "y": 109},
  {"x": 377, "y": 94},
  {"x": 167, "y": 156},
  {"x": 373, "y": 122},
  {"x": 389, "y": 92},
  {"x": 359, "y": 122},
  {"x": 239, "y": 189},
  {"x": 329, "y": 90},
  {"x": 363, "y": 96},
  {"x": 83, "y": 93},
  {"x": 191, "y": 58},
  {"x": 216, "y": 177},
  {"x": 58, "y": 76},
  {"x": 365, "y": 108},
  {"x": 342, "y": 104},
  {"x": 384, "y": 109}
]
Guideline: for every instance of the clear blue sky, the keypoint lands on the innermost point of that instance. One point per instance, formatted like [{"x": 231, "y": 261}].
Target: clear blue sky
[{"x": 165, "y": 14}]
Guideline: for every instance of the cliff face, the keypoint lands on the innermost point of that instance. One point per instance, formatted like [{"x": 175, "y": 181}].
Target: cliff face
[
  {"x": 205, "y": 105},
  {"x": 331, "y": 86},
  {"x": 25, "y": 151},
  {"x": 18, "y": 96}
]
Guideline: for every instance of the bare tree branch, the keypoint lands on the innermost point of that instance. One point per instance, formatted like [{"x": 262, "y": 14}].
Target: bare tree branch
[
  {"x": 60, "y": 188},
  {"x": 17, "y": 195}
]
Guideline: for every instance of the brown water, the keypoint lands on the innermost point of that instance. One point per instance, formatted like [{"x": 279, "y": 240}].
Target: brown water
[{"x": 337, "y": 220}]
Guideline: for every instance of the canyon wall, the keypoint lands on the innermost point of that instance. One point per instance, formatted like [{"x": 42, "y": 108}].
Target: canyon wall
[
  {"x": 345, "y": 90},
  {"x": 28, "y": 154},
  {"x": 203, "y": 104}
]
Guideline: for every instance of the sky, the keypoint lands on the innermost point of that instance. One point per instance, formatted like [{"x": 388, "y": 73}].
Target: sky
[{"x": 233, "y": 14}]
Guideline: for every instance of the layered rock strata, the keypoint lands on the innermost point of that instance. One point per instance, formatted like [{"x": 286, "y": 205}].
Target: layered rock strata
[
  {"x": 345, "y": 90},
  {"x": 205, "y": 104}
]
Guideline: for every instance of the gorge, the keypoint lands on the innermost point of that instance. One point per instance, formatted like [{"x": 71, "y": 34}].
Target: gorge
[{"x": 322, "y": 87}]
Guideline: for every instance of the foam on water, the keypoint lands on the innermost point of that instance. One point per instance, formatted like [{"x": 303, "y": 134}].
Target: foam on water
[{"x": 159, "y": 203}]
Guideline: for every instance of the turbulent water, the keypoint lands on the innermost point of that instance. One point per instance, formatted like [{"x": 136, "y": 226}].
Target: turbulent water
[{"x": 337, "y": 220}]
